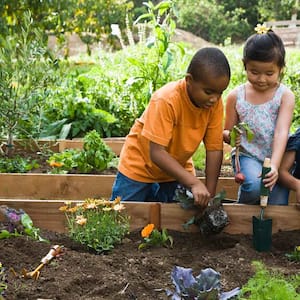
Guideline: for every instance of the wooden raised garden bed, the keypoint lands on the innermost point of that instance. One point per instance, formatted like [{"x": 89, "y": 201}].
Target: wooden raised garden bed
[{"x": 40, "y": 195}]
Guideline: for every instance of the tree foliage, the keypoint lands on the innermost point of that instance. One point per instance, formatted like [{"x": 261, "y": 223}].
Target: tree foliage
[{"x": 217, "y": 21}]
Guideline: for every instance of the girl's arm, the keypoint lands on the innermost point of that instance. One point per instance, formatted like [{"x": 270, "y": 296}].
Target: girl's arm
[
  {"x": 280, "y": 136},
  {"x": 285, "y": 177},
  {"x": 231, "y": 116},
  {"x": 172, "y": 167}
]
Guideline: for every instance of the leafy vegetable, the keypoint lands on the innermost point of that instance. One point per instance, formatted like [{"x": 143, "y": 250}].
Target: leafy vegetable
[
  {"x": 266, "y": 285},
  {"x": 210, "y": 221},
  {"x": 206, "y": 286},
  {"x": 18, "y": 223}
]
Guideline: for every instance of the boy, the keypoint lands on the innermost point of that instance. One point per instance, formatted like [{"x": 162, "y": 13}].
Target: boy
[{"x": 157, "y": 154}]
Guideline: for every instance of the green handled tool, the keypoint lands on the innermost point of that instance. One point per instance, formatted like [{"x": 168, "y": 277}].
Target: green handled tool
[
  {"x": 262, "y": 228},
  {"x": 264, "y": 192}
]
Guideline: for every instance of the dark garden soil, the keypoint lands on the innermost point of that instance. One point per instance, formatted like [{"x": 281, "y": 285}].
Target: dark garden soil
[{"x": 129, "y": 273}]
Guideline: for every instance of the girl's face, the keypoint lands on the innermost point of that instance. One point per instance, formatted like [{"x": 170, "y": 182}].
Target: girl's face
[
  {"x": 262, "y": 75},
  {"x": 206, "y": 93}
]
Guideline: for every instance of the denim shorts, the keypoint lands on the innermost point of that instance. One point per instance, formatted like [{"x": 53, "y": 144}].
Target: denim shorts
[
  {"x": 132, "y": 190},
  {"x": 249, "y": 191}
]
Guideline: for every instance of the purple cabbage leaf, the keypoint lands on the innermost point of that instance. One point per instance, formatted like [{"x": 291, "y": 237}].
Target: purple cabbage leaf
[{"x": 205, "y": 286}]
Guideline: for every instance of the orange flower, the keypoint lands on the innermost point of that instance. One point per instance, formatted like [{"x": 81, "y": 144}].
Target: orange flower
[
  {"x": 63, "y": 208},
  {"x": 55, "y": 164},
  {"x": 147, "y": 230}
]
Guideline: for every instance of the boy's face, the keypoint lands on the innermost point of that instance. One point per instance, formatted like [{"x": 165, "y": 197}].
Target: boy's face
[{"x": 205, "y": 93}]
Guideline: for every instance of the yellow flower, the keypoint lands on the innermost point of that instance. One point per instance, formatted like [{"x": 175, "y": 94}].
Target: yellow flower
[
  {"x": 298, "y": 248},
  {"x": 14, "y": 84},
  {"x": 261, "y": 28},
  {"x": 91, "y": 205},
  {"x": 106, "y": 208},
  {"x": 81, "y": 220},
  {"x": 147, "y": 230},
  {"x": 55, "y": 164}
]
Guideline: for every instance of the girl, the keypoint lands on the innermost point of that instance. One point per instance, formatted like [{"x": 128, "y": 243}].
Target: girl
[{"x": 266, "y": 105}]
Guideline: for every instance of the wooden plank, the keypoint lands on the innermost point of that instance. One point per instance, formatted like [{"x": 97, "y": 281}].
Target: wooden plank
[
  {"x": 45, "y": 214},
  {"x": 79, "y": 186},
  {"x": 55, "y": 186}
]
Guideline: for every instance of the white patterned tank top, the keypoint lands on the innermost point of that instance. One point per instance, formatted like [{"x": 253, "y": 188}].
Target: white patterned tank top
[{"x": 262, "y": 121}]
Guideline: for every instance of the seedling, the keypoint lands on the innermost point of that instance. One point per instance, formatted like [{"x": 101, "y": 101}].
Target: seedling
[{"x": 235, "y": 133}]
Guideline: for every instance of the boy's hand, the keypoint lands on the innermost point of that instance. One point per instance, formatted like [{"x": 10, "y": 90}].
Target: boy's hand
[{"x": 201, "y": 194}]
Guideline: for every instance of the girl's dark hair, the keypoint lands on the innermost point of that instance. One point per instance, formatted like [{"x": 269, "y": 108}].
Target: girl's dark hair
[
  {"x": 208, "y": 60},
  {"x": 265, "y": 47}
]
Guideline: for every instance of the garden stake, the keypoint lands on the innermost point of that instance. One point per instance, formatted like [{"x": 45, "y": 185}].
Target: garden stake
[
  {"x": 55, "y": 251},
  {"x": 262, "y": 228}
]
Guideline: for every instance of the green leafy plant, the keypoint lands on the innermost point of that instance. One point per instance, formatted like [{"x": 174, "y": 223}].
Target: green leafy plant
[
  {"x": 63, "y": 162},
  {"x": 94, "y": 157},
  {"x": 267, "y": 284},
  {"x": 26, "y": 71},
  {"x": 237, "y": 130},
  {"x": 154, "y": 72},
  {"x": 96, "y": 223},
  {"x": 199, "y": 157},
  {"x": 17, "y": 164},
  {"x": 154, "y": 237},
  {"x": 18, "y": 223},
  {"x": 294, "y": 255},
  {"x": 95, "y": 154}
]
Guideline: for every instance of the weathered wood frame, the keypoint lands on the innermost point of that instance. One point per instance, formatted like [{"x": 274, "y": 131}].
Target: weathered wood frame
[
  {"x": 40, "y": 195},
  {"x": 45, "y": 214}
]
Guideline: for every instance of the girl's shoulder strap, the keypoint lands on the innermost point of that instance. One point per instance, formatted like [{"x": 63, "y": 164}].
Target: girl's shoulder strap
[
  {"x": 241, "y": 91},
  {"x": 279, "y": 92}
]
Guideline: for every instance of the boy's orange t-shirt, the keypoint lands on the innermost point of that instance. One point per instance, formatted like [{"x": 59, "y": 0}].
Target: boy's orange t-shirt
[{"x": 170, "y": 120}]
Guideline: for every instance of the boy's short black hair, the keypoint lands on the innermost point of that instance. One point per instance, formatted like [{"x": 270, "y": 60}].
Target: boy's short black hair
[
  {"x": 266, "y": 47},
  {"x": 209, "y": 60}
]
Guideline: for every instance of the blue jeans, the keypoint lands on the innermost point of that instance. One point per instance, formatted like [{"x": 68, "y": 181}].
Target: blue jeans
[
  {"x": 249, "y": 191},
  {"x": 132, "y": 190}
]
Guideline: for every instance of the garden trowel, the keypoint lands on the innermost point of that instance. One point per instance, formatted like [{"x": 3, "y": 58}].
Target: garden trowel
[{"x": 262, "y": 228}]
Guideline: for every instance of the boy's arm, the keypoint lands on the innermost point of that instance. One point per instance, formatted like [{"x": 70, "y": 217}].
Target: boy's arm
[
  {"x": 168, "y": 164},
  {"x": 212, "y": 170},
  {"x": 285, "y": 177}
]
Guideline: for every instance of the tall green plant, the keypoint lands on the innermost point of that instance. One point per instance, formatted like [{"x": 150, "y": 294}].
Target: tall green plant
[
  {"x": 154, "y": 71},
  {"x": 25, "y": 72}
]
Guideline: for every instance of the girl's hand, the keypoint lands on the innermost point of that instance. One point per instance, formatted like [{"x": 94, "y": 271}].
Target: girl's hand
[
  {"x": 297, "y": 191},
  {"x": 271, "y": 178}
]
